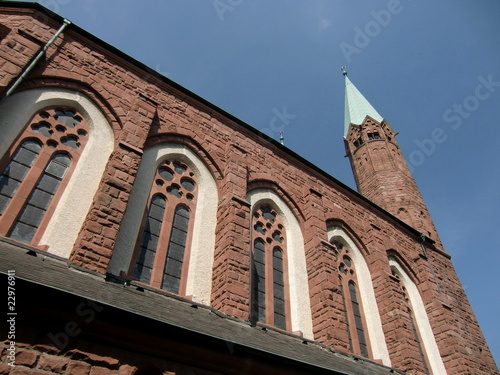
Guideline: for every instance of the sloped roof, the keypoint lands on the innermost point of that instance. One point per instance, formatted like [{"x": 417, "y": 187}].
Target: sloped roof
[
  {"x": 356, "y": 107},
  {"x": 55, "y": 273}
]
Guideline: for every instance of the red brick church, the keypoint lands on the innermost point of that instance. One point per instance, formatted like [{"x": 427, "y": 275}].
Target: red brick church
[{"x": 144, "y": 230}]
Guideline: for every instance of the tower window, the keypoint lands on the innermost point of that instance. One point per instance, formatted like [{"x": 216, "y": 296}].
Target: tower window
[
  {"x": 358, "y": 142},
  {"x": 163, "y": 244},
  {"x": 269, "y": 287},
  {"x": 373, "y": 136}
]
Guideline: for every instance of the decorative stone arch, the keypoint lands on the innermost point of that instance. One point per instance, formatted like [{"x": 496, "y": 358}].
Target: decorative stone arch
[
  {"x": 109, "y": 108},
  {"x": 394, "y": 254},
  {"x": 199, "y": 276},
  {"x": 300, "y": 305},
  {"x": 261, "y": 181},
  {"x": 350, "y": 233},
  {"x": 367, "y": 294},
  {"x": 191, "y": 144},
  {"x": 63, "y": 227},
  {"x": 422, "y": 320}
]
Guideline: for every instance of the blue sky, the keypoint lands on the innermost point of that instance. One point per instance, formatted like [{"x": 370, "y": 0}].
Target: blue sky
[{"x": 430, "y": 68}]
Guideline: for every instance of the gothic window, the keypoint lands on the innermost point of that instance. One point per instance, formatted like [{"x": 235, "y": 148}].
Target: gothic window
[
  {"x": 419, "y": 323},
  {"x": 36, "y": 170},
  {"x": 355, "y": 322},
  {"x": 270, "y": 303},
  {"x": 161, "y": 254},
  {"x": 411, "y": 317}
]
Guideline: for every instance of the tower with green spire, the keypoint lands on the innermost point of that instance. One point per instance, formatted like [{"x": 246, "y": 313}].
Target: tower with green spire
[{"x": 378, "y": 165}]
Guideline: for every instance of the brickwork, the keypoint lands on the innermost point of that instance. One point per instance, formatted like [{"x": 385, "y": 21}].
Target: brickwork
[
  {"x": 382, "y": 175},
  {"x": 143, "y": 109},
  {"x": 402, "y": 330},
  {"x": 94, "y": 245},
  {"x": 18, "y": 46},
  {"x": 38, "y": 359}
]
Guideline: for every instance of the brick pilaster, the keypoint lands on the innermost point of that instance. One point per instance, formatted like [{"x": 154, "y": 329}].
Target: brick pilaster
[
  {"x": 231, "y": 270},
  {"x": 329, "y": 325},
  {"x": 93, "y": 247}
]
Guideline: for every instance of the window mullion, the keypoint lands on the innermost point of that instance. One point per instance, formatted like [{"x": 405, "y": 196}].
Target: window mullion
[
  {"x": 269, "y": 232},
  {"x": 163, "y": 241},
  {"x": 348, "y": 319},
  {"x": 360, "y": 324},
  {"x": 350, "y": 316},
  {"x": 174, "y": 181},
  {"x": 56, "y": 197},
  {"x": 269, "y": 285},
  {"x": 187, "y": 251}
]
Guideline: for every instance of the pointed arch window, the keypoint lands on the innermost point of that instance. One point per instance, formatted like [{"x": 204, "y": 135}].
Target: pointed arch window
[
  {"x": 355, "y": 321},
  {"x": 270, "y": 302},
  {"x": 412, "y": 318},
  {"x": 36, "y": 170},
  {"x": 162, "y": 250}
]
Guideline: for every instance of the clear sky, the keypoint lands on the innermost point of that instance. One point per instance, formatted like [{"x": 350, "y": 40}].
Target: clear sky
[{"x": 430, "y": 68}]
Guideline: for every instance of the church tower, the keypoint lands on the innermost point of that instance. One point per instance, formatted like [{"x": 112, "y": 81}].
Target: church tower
[{"x": 379, "y": 168}]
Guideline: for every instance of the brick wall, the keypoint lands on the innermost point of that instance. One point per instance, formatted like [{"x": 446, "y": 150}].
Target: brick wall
[
  {"x": 143, "y": 109},
  {"x": 43, "y": 359},
  {"x": 382, "y": 175}
]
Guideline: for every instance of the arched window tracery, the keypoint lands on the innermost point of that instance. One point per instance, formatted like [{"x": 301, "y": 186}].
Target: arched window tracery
[
  {"x": 36, "y": 170},
  {"x": 365, "y": 333},
  {"x": 352, "y": 303},
  {"x": 162, "y": 251},
  {"x": 270, "y": 301}
]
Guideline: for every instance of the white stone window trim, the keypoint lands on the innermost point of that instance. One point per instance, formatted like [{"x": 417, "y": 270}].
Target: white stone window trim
[
  {"x": 300, "y": 304},
  {"x": 367, "y": 295},
  {"x": 199, "y": 278},
  {"x": 422, "y": 320},
  {"x": 66, "y": 222}
]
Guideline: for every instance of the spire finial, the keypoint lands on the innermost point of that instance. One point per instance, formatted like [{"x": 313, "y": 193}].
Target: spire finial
[
  {"x": 282, "y": 138},
  {"x": 344, "y": 72}
]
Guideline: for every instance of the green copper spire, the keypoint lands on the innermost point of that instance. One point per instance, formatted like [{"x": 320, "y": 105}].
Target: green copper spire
[{"x": 356, "y": 106}]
